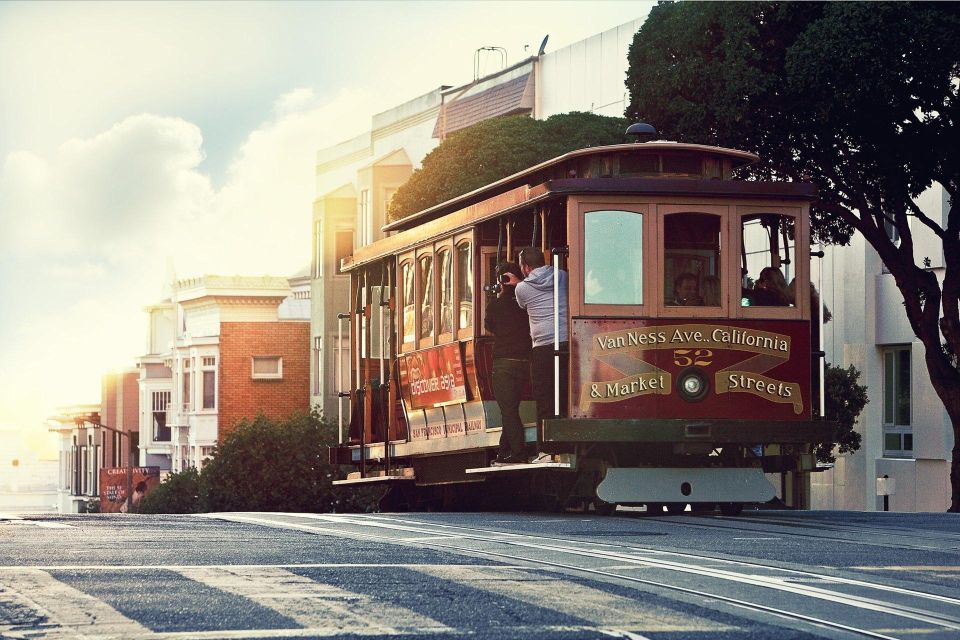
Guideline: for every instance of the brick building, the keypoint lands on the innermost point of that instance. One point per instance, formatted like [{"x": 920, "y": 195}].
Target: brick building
[{"x": 238, "y": 346}]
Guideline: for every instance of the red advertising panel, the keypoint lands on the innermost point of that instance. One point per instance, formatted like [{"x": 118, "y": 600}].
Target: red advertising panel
[
  {"x": 433, "y": 377},
  {"x": 113, "y": 487}
]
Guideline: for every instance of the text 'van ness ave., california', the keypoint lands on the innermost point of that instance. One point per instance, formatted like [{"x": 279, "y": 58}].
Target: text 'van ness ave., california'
[{"x": 694, "y": 335}]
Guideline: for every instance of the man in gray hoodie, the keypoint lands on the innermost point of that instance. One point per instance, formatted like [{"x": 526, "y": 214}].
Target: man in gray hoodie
[{"x": 535, "y": 294}]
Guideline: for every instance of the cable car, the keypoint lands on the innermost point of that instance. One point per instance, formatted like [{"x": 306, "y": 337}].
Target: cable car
[{"x": 692, "y": 356}]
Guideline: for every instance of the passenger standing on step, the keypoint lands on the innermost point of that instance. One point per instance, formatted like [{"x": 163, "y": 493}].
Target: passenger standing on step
[
  {"x": 511, "y": 362},
  {"x": 535, "y": 294}
]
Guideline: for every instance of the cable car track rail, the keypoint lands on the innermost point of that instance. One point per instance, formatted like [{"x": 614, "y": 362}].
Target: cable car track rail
[
  {"x": 730, "y": 525},
  {"x": 445, "y": 537}
]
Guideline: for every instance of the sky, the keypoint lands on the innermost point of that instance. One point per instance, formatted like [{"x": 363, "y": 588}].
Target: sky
[{"x": 145, "y": 141}]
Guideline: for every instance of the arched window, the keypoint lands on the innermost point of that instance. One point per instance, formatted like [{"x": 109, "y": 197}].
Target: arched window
[
  {"x": 445, "y": 265},
  {"x": 409, "y": 306},
  {"x": 465, "y": 285},
  {"x": 425, "y": 282}
]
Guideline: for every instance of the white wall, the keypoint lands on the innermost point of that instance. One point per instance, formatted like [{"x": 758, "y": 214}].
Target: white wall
[
  {"x": 588, "y": 75},
  {"x": 869, "y": 315}
]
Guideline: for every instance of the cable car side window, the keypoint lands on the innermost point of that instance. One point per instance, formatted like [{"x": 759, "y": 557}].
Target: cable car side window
[
  {"x": 613, "y": 257},
  {"x": 425, "y": 282},
  {"x": 766, "y": 260},
  {"x": 691, "y": 269},
  {"x": 465, "y": 285},
  {"x": 445, "y": 265},
  {"x": 409, "y": 306}
]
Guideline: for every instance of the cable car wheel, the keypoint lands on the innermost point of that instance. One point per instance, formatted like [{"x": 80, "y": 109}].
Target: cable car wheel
[{"x": 593, "y": 467}]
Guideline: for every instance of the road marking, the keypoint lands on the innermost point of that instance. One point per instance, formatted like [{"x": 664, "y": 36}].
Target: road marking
[
  {"x": 922, "y": 567},
  {"x": 606, "y": 610},
  {"x": 315, "y": 604},
  {"x": 72, "y": 612},
  {"x": 758, "y": 539},
  {"x": 778, "y": 583},
  {"x": 43, "y": 524},
  {"x": 178, "y": 567}
]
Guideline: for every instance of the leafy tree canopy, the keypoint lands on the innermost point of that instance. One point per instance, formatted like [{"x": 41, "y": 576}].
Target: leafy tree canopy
[
  {"x": 861, "y": 98},
  {"x": 496, "y": 148}
]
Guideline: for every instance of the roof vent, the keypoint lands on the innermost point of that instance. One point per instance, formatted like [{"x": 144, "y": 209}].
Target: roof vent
[{"x": 644, "y": 132}]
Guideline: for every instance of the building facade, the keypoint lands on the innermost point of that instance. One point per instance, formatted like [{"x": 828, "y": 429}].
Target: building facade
[
  {"x": 222, "y": 349},
  {"x": 906, "y": 434},
  {"x": 80, "y": 456},
  {"x": 356, "y": 178}
]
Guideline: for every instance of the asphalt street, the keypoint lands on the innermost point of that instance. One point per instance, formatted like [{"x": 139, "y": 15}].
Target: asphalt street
[{"x": 766, "y": 574}]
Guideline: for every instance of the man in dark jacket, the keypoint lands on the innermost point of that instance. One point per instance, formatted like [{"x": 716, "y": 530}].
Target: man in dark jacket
[{"x": 510, "y": 327}]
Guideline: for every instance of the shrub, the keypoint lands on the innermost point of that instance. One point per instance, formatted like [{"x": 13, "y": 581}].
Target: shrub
[
  {"x": 844, "y": 400},
  {"x": 266, "y": 465},
  {"x": 178, "y": 493}
]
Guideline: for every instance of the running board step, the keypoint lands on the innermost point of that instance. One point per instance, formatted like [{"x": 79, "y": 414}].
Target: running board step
[
  {"x": 401, "y": 475},
  {"x": 527, "y": 466}
]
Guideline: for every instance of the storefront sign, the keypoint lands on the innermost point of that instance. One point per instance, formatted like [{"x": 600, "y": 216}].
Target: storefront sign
[{"x": 113, "y": 487}]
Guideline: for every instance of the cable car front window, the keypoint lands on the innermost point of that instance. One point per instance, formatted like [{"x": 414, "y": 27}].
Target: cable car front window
[
  {"x": 766, "y": 260},
  {"x": 691, "y": 269},
  {"x": 613, "y": 257}
]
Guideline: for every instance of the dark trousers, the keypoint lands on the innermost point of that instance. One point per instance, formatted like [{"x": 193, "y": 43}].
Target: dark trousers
[
  {"x": 509, "y": 380},
  {"x": 541, "y": 373}
]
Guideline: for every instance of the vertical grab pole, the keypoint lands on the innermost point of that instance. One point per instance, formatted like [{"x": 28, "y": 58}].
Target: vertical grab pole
[
  {"x": 556, "y": 334},
  {"x": 361, "y": 312},
  {"x": 822, "y": 348},
  {"x": 380, "y": 355},
  {"x": 340, "y": 393}
]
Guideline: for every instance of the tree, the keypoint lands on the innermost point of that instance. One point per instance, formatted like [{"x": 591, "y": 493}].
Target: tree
[
  {"x": 496, "y": 148},
  {"x": 862, "y": 98}
]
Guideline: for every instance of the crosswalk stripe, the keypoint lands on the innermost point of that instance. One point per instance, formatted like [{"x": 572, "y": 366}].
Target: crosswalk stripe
[
  {"x": 606, "y": 610},
  {"x": 315, "y": 604},
  {"x": 69, "y": 613}
]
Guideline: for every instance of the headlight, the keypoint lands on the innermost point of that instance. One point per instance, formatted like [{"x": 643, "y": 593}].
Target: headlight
[{"x": 693, "y": 384}]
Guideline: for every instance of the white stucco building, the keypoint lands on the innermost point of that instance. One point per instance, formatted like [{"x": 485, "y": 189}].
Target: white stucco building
[{"x": 907, "y": 435}]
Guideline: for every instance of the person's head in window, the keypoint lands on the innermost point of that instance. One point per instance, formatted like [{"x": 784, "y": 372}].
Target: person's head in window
[
  {"x": 686, "y": 290},
  {"x": 771, "y": 288},
  {"x": 711, "y": 291}
]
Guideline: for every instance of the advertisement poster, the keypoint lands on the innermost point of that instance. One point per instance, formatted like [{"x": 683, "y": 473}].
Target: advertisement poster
[
  {"x": 113, "y": 487},
  {"x": 433, "y": 377}
]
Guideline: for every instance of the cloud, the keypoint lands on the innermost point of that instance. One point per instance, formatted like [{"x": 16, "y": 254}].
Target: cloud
[
  {"x": 105, "y": 194},
  {"x": 96, "y": 225},
  {"x": 265, "y": 207}
]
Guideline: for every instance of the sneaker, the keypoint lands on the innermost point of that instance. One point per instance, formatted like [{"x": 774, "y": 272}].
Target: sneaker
[
  {"x": 502, "y": 461},
  {"x": 542, "y": 458}
]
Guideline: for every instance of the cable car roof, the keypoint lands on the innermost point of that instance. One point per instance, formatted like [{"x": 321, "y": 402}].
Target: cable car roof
[{"x": 736, "y": 158}]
